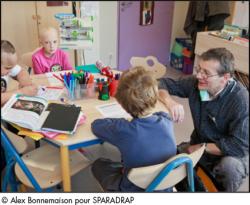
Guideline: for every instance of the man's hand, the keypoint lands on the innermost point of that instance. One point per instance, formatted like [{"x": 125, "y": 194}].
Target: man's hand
[
  {"x": 211, "y": 148},
  {"x": 176, "y": 110},
  {"x": 192, "y": 148}
]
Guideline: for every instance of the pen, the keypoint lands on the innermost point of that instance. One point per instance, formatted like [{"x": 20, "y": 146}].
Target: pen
[
  {"x": 65, "y": 82},
  {"x": 57, "y": 77},
  {"x": 54, "y": 87}
]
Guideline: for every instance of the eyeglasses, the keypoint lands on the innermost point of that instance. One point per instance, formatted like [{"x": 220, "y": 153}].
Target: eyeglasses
[{"x": 204, "y": 73}]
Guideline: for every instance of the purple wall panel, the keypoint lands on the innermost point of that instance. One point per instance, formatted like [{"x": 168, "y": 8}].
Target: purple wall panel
[{"x": 136, "y": 40}]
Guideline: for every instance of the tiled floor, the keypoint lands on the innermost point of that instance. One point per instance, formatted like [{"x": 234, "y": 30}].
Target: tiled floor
[{"x": 85, "y": 182}]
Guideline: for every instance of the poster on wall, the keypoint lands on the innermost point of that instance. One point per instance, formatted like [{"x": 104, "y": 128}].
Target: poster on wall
[
  {"x": 57, "y": 3},
  {"x": 146, "y": 13}
]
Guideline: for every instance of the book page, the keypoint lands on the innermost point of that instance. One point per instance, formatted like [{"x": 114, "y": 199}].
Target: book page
[
  {"x": 113, "y": 110},
  {"x": 25, "y": 111},
  {"x": 49, "y": 93}
]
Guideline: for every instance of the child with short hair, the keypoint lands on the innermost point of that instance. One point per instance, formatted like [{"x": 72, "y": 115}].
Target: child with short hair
[
  {"x": 147, "y": 139},
  {"x": 10, "y": 68},
  {"x": 50, "y": 58}
]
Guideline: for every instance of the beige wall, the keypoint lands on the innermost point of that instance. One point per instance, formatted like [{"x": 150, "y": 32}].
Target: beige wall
[{"x": 180, "y": 12}]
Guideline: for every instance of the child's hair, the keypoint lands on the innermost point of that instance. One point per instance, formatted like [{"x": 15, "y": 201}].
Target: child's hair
[
  {"x": 137, "y": 91},
  {"x": 7, "y": 47},
  {"x": 44, "y": 30}
]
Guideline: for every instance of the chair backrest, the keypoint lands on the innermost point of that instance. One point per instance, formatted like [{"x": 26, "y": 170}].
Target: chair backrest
[
  {"x": 18, "y": 142},
  {"x": 26, "y": 59},
  {"x": 149, "y": 62},
  {"x": 166, "y": 174}
]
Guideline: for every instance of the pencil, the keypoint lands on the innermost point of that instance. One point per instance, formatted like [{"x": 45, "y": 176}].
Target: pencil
[
  {"x": 57, "y": 77},
  {"x": 54, "y": 87}
]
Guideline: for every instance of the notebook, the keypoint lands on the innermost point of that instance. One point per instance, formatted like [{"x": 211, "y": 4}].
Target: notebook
[
  {"x": 62, "y": 118},
  {"x": 37, "y": 114}
]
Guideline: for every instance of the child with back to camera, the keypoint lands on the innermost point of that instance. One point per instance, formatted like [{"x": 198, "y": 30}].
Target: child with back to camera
[
  {"x": 50, "y": 58},
  {"x": 147, "y": 139}
]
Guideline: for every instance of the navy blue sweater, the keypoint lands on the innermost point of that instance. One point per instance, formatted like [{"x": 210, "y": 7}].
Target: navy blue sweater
[
  {"x": 223, "y": 121},
  {"x": 141, "y": 141}
]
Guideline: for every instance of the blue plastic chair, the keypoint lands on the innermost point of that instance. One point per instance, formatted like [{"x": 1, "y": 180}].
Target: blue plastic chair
[
  {"x": 40, "y": 178},
  {"x": 12, "y": 155},
  {"x": 168, "y": 173}
]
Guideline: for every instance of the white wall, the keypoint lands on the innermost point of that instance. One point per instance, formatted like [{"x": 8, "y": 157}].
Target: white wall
[
  {"x": 241, "y": 14},
  {"x": 105, "y": 34},
  {"x": 109, "y": 32},
  {"x": 180, "y": 12}
]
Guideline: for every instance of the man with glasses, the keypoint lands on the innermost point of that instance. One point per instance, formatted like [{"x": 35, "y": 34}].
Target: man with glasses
[{"x": 219, "y": 106}]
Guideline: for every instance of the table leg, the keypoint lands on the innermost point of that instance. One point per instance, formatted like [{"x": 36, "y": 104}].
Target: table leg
[{"x": 65, "y": 169}]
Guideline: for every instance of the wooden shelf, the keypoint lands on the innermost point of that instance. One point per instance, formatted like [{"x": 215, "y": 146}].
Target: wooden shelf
[{"x": 205, "y": 41}]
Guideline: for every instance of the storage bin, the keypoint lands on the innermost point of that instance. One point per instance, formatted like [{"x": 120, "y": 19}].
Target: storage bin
[
  {"x": 187, "y": 65},
  {"x": 176, "y": 61},
  {"x": 177, "y": 49},
  {"x": 180, "y": 55}
]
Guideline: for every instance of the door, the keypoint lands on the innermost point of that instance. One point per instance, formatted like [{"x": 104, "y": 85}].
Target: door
[{"x": 137, "y": 40}]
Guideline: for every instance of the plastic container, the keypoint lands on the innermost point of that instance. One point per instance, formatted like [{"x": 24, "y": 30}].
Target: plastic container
[
  {"x": 82, "y": 91},
  {"x": 180, "y": 44},
  {"x": 176, "y": 61},
  {"x": 177, "y": 49},
  {"x": 113, "y": 87},
  {"x": 187, "y": 66}
]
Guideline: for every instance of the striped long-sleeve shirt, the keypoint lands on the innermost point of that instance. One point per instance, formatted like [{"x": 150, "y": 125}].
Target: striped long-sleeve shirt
[{"x": 223, "y": 121}]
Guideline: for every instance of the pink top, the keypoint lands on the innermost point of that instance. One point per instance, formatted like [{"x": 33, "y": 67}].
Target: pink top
[{"x": 57, "y": 62}]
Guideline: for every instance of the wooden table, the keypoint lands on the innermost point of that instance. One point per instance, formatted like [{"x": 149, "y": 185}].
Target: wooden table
[{"x": 83, "y": 136}]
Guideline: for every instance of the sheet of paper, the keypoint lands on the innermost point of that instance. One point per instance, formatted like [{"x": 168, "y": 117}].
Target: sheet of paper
[
  {"x": 49, "y": 93},
  {"x": 113, "y": 110},
  {"x": 52, "y": 80}
]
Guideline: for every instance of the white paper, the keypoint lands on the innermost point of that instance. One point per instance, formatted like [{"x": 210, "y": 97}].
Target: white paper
[
  {"x": 113, "y": 110},
  {"x": 49, "y": 93},
  {"x": 52, "y": 80}
]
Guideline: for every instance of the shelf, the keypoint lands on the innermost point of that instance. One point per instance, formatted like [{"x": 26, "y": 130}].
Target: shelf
[
  {"x": 205, "y": 41},
  {"x": 76, "y": 44}
]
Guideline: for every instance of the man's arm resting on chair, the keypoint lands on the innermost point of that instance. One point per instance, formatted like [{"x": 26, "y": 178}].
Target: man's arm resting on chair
[{"x": 211, "y": 148}]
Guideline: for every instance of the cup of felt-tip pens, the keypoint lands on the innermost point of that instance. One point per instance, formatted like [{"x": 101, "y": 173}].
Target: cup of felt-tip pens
[{"x": 79, "y": 85}]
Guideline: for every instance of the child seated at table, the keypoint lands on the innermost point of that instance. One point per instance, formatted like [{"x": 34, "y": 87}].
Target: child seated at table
[
  {"x": 50, "y": 58},
  {"x": 10, "y": 68},
  {"x": 147, "y": 139}
]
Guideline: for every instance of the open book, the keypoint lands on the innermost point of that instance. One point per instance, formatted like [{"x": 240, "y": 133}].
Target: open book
[{"x": 37, "y": 114}]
